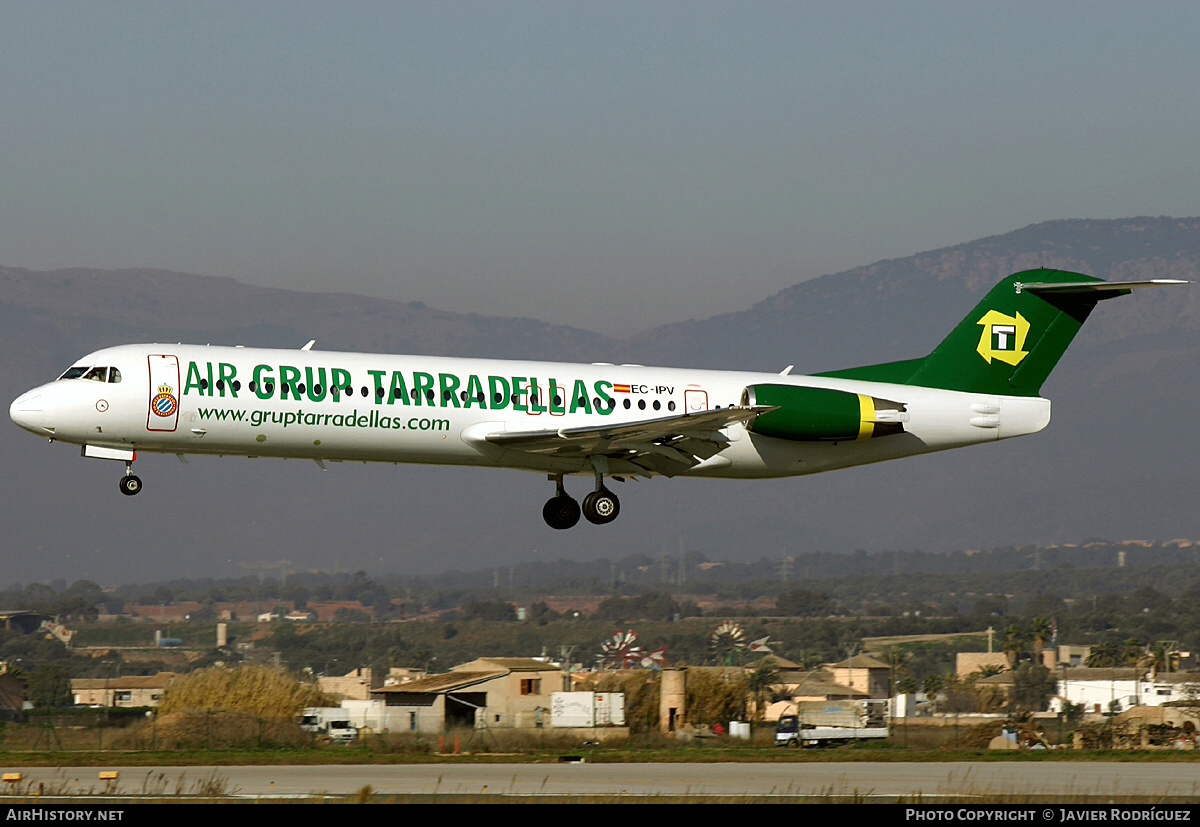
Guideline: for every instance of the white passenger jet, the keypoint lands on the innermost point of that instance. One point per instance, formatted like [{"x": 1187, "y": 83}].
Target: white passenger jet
[{"x": 601, "y": 420}]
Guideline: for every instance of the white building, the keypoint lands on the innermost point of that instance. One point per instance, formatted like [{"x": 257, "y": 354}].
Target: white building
[
  {"x": 1118, "y": 689},
  {"x": 1166, "y": 687}
]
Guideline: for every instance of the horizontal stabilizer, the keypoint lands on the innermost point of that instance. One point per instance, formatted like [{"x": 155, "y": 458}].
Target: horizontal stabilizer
[{"x": 1091, "y": 286}]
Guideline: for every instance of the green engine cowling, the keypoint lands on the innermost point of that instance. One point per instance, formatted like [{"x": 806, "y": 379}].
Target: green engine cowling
[{"x": 822, "y": 413}]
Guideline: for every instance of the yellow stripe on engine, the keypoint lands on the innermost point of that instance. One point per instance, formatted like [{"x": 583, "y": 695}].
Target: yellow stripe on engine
[{"x": 866, "y": 417}]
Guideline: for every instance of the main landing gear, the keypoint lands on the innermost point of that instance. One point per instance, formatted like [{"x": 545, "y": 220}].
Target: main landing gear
[
  {"x": 562, "y": 511},
  {"x": 130, "y": 484},
  {"x": 601, "y": 506}
]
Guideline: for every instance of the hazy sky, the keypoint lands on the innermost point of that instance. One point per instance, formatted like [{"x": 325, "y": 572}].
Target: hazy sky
[{"x": 608, "y": 165}]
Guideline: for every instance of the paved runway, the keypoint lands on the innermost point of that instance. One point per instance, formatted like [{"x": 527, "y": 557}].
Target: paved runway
[{"x": 1060, "y": 778}]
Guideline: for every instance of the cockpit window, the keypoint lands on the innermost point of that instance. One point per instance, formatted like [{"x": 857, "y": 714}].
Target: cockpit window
[{"x": 99, "y": 374}]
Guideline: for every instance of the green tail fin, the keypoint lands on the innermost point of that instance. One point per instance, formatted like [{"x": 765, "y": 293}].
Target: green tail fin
[
  {"x": 1009, "y": 343},
  {"x": 1012, "y": 339}
]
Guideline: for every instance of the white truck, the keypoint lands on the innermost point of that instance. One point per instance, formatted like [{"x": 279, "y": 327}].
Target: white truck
[
  {"x": 329, "y": 721},
  {"x": 822, "y": 723}
]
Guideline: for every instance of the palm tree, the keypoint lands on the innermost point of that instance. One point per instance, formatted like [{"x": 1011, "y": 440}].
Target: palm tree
[
  {"x": 1105, "y": 653},
  {"x": 1040, "y": 633},
  {"x": 897, "y": 661},
  {"x": 762, "y": 677},
  {"x": 1160, "y": 657},
  {"x": 1132, "y": 652},
  {"x": 1013, "y": 645}
]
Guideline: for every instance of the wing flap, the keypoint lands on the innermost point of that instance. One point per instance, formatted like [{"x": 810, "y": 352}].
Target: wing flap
[{"x": 667, "y": 445}]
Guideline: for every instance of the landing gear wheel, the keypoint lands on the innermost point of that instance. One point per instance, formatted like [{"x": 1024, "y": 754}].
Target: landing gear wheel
[
  {"x": 130, "y": 485},
  {"x": 561, "y": 512},
  {"x": 601, "y": 506}
]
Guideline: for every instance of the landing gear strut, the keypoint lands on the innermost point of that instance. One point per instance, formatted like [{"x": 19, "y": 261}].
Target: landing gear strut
[
  {"x": 601, "y": 506},
  {"x": 130, "y": 484},
  {"x": 560, "y": 511}
]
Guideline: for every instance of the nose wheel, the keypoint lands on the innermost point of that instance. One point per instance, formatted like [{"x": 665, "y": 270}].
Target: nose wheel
[{"x": 130, "y": 484}]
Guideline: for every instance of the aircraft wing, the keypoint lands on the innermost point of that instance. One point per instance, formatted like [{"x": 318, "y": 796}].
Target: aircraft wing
[{"x": 667, "y": 446}]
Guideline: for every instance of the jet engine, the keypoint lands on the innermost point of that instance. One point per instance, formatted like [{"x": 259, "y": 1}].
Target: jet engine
[{"x": 808, "y": 414}]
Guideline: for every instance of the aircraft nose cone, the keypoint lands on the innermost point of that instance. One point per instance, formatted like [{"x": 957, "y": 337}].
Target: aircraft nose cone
[{"x": 26, "y": 411}]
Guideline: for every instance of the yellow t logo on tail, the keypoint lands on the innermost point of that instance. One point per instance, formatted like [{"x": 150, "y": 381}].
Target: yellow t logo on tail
[{"x": 1003, "y": 337}]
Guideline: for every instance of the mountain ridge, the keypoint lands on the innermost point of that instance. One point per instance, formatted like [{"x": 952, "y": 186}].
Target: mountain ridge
[{"x": 1117, "y": 460}]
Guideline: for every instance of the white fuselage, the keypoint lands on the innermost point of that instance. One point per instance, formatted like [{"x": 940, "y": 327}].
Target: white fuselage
[{"x": 326, "y": 405}]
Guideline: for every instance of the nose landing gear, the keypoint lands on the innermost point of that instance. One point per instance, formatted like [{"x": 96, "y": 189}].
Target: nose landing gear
[{"x": 130, "y": 484}]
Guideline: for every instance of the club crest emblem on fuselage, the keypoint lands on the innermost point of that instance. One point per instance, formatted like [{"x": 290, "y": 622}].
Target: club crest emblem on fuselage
[
  {"x": 164, "y": 404},
  {"x": 1003, "y": 337}
]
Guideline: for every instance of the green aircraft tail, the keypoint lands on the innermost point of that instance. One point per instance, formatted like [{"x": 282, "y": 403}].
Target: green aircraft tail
[{"x": 1012, "y": 339}]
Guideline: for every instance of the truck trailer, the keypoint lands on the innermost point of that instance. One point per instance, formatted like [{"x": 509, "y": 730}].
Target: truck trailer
[{"x": 823, "y": 723}]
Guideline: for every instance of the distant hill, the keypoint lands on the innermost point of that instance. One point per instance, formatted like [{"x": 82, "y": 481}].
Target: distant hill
[
  {"x": 92, "y": 308},
  {"x": 900, "y": 308},
  {"x": 1118, "y": 460}
]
